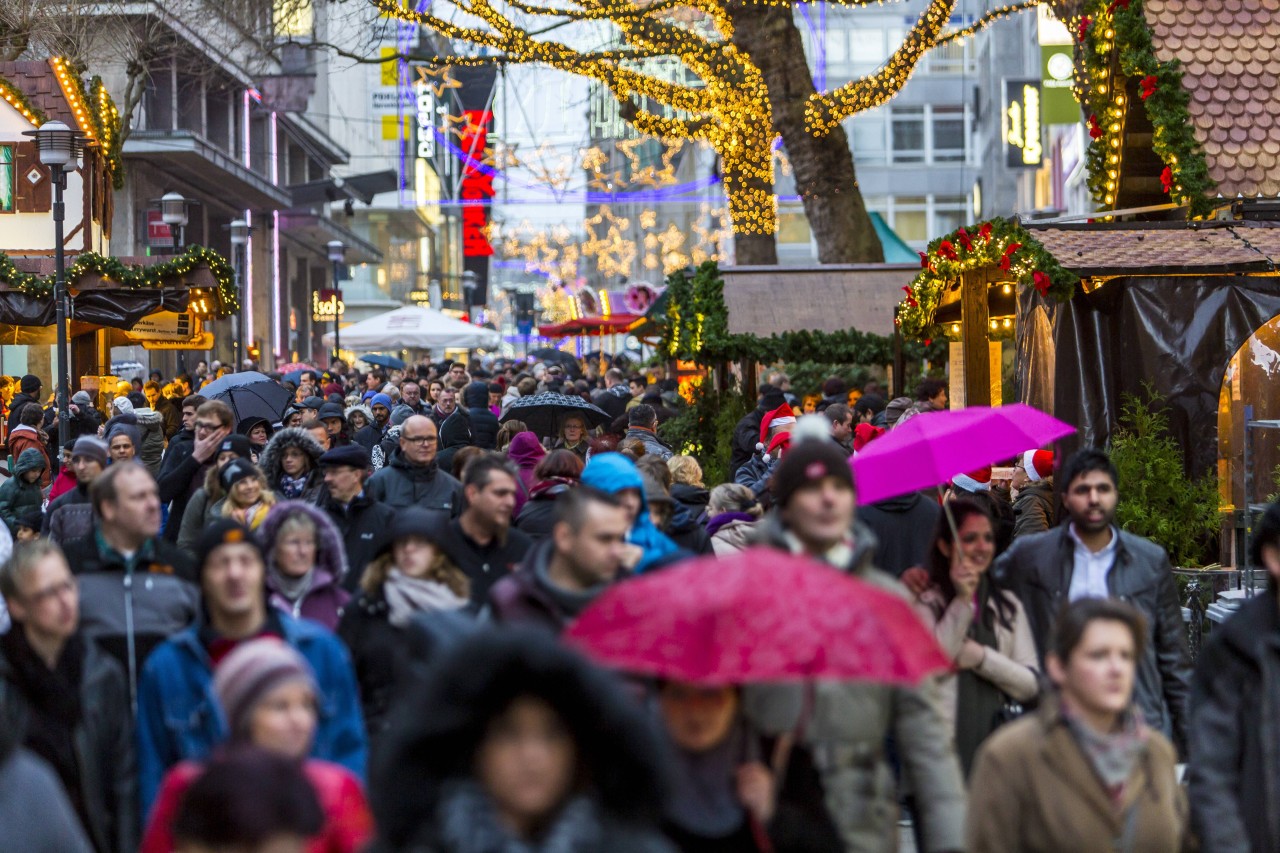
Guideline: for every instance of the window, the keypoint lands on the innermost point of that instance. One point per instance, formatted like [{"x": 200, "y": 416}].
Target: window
[
  {"x": 954, "y": 58},
  {"x": 867, "y": 133},
  {"x": 908, "y": 134},
  {"x": 866, "y": 48},
  {"x": 7, "y": 188},
  {"x": 948, "y": 134},
  {"x": 910, "y": 218}
]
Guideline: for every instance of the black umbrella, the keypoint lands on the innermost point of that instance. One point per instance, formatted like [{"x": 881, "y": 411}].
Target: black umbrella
[
  {"x": 548, "y": 355},
  {"x": 388, "y": 361},
  {"x": 250, "y": 395},
  {"x": 544, "y": 413}
]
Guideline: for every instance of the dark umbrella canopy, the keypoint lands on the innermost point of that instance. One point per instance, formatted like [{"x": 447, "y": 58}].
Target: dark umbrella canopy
[
  {"x": 544, "y": 413},
  {"x": 250, "y": 395},
  {"x": 549, "y": 355},
  {"x": 387, "y": 361}
]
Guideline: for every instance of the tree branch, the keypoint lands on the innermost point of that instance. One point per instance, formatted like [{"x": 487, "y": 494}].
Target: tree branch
[
  {"x": 985, "y": 21},
  {"x": 660, "y": 126}
]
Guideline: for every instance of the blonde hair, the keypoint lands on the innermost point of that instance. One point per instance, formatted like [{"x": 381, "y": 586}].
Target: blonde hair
[
  {"x": 267, "y": 498},
  {"x": 733, "y": 497},
  {"x": 686, "y": 470}
]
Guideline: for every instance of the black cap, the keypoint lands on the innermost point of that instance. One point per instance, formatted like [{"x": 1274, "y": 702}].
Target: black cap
[
  {"x": 331, "y": 410},
  {"x": 30, "y": 384},
  {"x": 235, "y": 471},
  {"x": 313, "y": 403},
  {"x": 224, "y": 531},
  {"x": 237, "y": 444},
  {"x": 351, "y": 455}
]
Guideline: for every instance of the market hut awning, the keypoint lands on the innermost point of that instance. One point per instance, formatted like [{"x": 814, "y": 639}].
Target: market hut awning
[{"x": 591, "y": 326}]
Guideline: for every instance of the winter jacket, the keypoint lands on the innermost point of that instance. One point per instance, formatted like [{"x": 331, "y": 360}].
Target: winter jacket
[
  {"x": 846, "y": 730},
  {"x": 526, "y": 451},
  {"x": 423, "y": 805},
  {"x": 1233, "y": 769},
  {"x": 755, "y": 474},
  {"x": 151, "y": 424},
  {"x": 455, "y": 434},
  {"x": 28, "y": 787},
  {"x": 613, "y": 472},
  {"x": 903, "y": 527},
  {"x": 181, "y": 473},
  {"x": 325, "y": 597},
  {"x": 484, "y": 425},
  {"x": 102, "y": 745},
  {"x": 746, "y": 435},
  {"x": 1038, "y": 569},
  {"x": 269, "y": 462},
  {"x": 202, "y": 510},
  {"x": 684, "y": 529},
  {"x": 15, "y": 406},
  {"x": 653, "y": 445},
  {"x": 69, "y": 517},
  {"x": 1035, "y": 508},
  {"x": 404, "y": 484},
  {"x": 17, "y": 496},
  {"x": 371, "y": 435},
  {"x": 129, "y": 610},
  {"x": 179, "y": 717},
  {"x": 730, "y": 532},
  {"x": 484, "y": 565},
  {"x": 580, "y": 449},
  {"x": 529, "y": 597},
  {"x": 613, "y": 400},
  {"x": 537, "y": 517},
  {"x": 24, "y": 438},
  {"x": 363, "y": 524},
  {"x": 1034, "y": 789},
  {"x": 348, "y": 823},
  {"x": 171, "y": 413},
  {"x": 696, "y": 498},
  {"x": 63, "y": 483}
]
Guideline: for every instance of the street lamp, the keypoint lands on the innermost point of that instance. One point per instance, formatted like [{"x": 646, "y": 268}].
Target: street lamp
[
  {"x": 239, "y": 240},
  {"x": 337, "y": 254},
  {"x": 59, "y": 147},
  {"x": 469, "y": 284},
  {"x": 173, "y": 212}
]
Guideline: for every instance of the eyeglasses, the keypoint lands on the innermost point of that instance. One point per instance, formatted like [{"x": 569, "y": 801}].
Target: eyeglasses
[
  {"x": 420, "y": 439},
  {"x": 54, "y": 591},
  {"x": 208, "y": 425}
]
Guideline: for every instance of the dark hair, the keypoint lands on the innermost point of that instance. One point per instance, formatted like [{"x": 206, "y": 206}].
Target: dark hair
[
  {"x": 1074, "y": 620},
  {"x": 1265, "y": 532},
  {"x": 462, "y": 457},
  {"x": 1083, "y": 462},
  {"x": 837, "y": 413},
  {"x": 495, "y": 388},
  {"x": 559, "y": 463},
  {"x": 872, "y": 403},
  {"x": 938, "y": 564},
  {"x": 103, "y": 488},
  {"x": 833, "y": 386},
  {"x": 195, "y": 401},
  {"x": 30, "y": 414},
  {"x": 571, "y": 506},
  {"x": 929, "y": 388},
  {"x": 481, "y": 469},
  {"x": 657, "y": 468},
  {"x": 246, "y": 796},
  {"x": 642, "y": 415}
]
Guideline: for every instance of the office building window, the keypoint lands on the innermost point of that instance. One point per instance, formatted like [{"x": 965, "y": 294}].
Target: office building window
[
  {"x": 949, "y": 135},
  {"x": 6, "y": 179},
  {"x": 909, "y": 216},
  {"x": 907, "y": 127},
  {"x": 867, "y": 134}
]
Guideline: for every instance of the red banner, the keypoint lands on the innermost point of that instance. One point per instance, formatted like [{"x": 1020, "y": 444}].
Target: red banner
[{"x": 477, "y": 185}]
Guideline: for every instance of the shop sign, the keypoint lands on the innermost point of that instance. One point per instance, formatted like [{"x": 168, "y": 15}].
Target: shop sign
[
  {"x": 1021, "y": 124},
  {"x": 326, "y": 305}
]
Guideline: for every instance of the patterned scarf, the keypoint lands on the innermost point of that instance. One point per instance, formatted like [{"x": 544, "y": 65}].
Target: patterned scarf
[
  {"x": 292, "y": 487},
  {"x": 1113, "y": 754}
]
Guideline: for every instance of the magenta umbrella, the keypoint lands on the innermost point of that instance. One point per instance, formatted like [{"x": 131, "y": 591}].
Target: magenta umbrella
[{"x": 931, "y": 448}]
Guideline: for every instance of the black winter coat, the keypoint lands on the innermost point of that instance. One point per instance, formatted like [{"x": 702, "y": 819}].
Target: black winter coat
[
  {"x": 685, "y": 531},
  {"x": 363, "y": 525},
  {"x": 106, "y": 761},
  {"x": 903, "y": 527},
  {"x": 746, "y": 435},
  {"x": 377, "y": 649},
  {"x": 695, "y": 498},
  {"x": 484, "y": 428},
  {"x": 537, "y": 516},
  {"x": 15, "y": 406},
  {"x": 484, "y": 566},
  {"x": 1233, "y": 770},
  {"x": 180, "y": 475},
  {"x": 400, "y": 484},
  {"x": 1038, "y": 568}
]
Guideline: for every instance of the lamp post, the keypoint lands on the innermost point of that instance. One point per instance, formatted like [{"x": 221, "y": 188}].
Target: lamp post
[
  {"x": 469, "y": 284},
  {"x": 239, "y": 241},
  {"x": 337, "y": 254},
  {"x": 173, "y": 212},
  {"x": 59, "y": 147}
]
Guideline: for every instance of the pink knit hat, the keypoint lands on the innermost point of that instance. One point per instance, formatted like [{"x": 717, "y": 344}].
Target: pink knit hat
[{"x": 251, "y": 671}]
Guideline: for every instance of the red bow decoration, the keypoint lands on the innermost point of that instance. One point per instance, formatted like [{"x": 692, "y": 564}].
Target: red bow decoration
[
  {"x": 947, "y": 250},
  {"x": 1118, "y": 4},
  {"x": 1007, "y": 260},
  {"x": 985, "y": 232},
  {"x": 1042, "y": 282},
  {"x": 1083, "y": 27},
  {"x": 1166, "y": 179},
  {"x": 1095, "y": 131},
  {"x": 963, "y": 236},
  {"x": 1148, "y": 86},
  {"x": 911, "y": 297},
  {"x": 924, "y": 261}
]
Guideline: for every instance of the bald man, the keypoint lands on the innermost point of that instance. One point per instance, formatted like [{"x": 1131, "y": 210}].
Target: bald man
[{"x": 411, "y": 478}]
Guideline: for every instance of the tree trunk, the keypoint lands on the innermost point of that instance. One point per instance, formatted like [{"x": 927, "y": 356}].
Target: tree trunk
[
  {"x": 750, "y": 198},
  {"x": 822, "y": 165}
]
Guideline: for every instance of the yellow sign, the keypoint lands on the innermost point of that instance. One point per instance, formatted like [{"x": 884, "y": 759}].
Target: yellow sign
[
  {"x": 326, "y": 305},
  {"x": 204, "y": 340},
  {"x": 1023, "y": 147},
  {"x": 390, "y": 67},
  {"x": 166, "y": 326}
]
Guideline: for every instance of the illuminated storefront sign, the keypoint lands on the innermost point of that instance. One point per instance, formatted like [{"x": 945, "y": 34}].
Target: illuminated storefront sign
[{"x": 1021, "y": 124}]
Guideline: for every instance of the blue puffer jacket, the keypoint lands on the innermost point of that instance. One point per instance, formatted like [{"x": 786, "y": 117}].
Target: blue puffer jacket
[
  {"x": 179, "y": 717},
  {"x": 613, "y": 472}
]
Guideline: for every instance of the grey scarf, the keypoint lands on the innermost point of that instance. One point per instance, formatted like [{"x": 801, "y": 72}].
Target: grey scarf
[
  {"x": 407, "y": 596},
  {"x": 289, "y": 587},
  {"x": 704, "y": 799},
  {"x": 1114, "y": 754},
  {"x": 469, "y": 824}
]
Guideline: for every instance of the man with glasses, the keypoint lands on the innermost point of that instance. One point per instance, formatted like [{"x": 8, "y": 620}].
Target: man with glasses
[
  {"x": 412, "y": 477},
  {"x": 186, "y": 464}
]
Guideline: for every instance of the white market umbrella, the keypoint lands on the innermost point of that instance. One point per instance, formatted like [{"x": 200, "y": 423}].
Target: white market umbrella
[{"x": 415, "y": 327}]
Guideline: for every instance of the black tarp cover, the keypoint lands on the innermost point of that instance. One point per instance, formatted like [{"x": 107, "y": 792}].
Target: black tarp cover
[
  {"x": 1176, "y": 333},
  {"x": 118, "y": 308}
]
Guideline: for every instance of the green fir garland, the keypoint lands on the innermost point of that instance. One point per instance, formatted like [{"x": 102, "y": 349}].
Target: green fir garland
[{"x": 997, "y": 244}]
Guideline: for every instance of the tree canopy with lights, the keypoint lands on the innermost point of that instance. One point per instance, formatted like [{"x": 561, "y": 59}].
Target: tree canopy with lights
[{"x": 746, "y": 83}]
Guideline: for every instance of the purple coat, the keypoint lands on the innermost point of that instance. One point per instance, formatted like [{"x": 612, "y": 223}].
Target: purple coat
[
  {"x": 526, "y": 451},
  {"x": 324, "y": 600}
]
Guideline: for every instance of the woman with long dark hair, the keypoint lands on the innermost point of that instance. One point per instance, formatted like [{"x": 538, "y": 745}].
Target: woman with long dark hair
[{"x": 979, "y": 624}]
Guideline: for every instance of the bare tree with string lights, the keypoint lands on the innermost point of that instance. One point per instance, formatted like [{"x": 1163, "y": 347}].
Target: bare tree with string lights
[{"x": 750, "y": 85}]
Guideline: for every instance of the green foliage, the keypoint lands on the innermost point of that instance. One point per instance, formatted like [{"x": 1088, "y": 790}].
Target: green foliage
[
  {"x": 704, "y": 430},
  {"x": 1157, "y": 499},
  {"x": 697, "y": 329},
  {"x": 807, "y": 376}
]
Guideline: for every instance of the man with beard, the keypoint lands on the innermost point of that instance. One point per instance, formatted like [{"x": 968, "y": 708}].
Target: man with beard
[
  {"x": 446, "y": 404},
  {"x": 1090, "y": 557},
  {"x": 374, "y": 433},
  {"x": 411, "y": 396}
]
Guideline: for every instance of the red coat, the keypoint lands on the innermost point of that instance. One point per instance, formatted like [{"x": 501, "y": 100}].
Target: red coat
[
  {"x": 348, "y": 825},
  {"x": 20, "y": 440}
]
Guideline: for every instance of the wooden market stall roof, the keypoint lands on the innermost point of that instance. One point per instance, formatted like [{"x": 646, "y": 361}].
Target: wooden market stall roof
[
  {"x": 1162, "y": 248},
  {"x": 771, "y": 300}
]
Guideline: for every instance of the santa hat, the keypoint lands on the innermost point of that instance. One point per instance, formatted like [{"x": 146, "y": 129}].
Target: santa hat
[
  {"x": 864, "y": 434},
  {"x": 782, "y": 416},
  {"x": 780, "y": 442},
  {"x": 1038, "y": 464},
  {"x": 974, "y": 481}
]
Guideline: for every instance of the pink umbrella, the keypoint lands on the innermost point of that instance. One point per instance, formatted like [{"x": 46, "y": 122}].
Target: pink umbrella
[
  {"x": 933, "y": 447},
  {"x": 759, "y": 615}
]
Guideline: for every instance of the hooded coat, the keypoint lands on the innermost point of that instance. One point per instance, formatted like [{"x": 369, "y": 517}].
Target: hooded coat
[
  {"x": 324, "y": 599},
  {"x": 455, "y": 434},
  {"x": 696, "y": 498},
  {"x": 1035, "y": 509},
  {"x": 484, "y": 425},
  {"x": 270, "y": 463},
  {"x": 422, "y": 788},
  {"x": 612, "y": 473},
  {"x": 526, "y": 451},
  {"x": 903, "y": 527},
  {"x": 24, "y": 438},
  {"x": 151, "y": 448},
  {"x": 17, "y": 496}
]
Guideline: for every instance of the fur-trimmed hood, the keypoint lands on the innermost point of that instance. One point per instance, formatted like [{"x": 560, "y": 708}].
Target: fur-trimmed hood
[
  {"x": 269, "y": 461},
  {"x": 331, "y": 553},
  {"x": 439, "y": 723}
]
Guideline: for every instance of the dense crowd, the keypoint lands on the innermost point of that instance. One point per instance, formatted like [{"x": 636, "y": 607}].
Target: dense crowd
[{"x": 342, "y": 629}]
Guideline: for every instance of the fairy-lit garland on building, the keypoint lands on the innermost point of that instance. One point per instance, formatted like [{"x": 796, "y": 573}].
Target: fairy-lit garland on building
[
  {"x": 1115, "y": 47},
  {"x": 95, "y": 114},
  {"x": 997, "y": 244}
]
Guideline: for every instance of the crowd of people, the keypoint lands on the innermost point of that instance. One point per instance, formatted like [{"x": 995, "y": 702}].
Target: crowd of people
[{"x": 341, "y": 630}]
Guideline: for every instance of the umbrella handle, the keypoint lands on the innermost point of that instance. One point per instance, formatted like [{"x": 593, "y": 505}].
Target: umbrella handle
[{"x": 951, "y": 519}]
